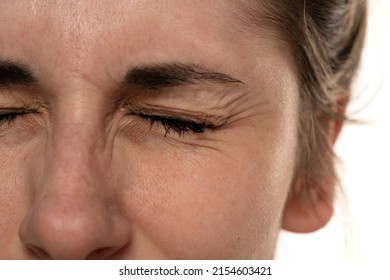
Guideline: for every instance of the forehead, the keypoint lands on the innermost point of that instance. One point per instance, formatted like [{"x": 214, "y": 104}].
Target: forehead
[{"x": 91, "y": 38}]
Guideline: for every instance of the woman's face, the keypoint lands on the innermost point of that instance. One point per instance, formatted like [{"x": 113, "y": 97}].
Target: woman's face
[{"x": 142, "y": 129}]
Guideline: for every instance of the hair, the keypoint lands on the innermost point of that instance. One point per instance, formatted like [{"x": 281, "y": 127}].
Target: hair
[{"x": 327, "y": 39}]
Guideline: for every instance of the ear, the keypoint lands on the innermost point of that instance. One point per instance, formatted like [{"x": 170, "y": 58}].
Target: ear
[
  {"x": 303, "y": 214},
  {"x": 335, "y": 126}
]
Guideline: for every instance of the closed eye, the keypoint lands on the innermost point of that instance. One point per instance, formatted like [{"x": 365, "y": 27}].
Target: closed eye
[
  {"x": 178, "y": 125},
  {"x": 8, "y": 117}
]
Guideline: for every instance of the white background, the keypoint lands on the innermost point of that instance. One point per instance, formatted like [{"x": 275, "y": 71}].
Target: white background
[{"x": 364, "y": 149}]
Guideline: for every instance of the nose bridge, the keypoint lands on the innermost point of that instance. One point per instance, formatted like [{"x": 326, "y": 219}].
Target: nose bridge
[
  {"x": 73, "y": 153},
  {"x": 74, "y": 176},
  {"x": 76, "y": 169}
]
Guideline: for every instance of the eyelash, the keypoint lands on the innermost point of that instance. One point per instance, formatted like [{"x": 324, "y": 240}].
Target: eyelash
[
  {"x": 9, "y": 118},
  {"x": 177, "y": 125}
]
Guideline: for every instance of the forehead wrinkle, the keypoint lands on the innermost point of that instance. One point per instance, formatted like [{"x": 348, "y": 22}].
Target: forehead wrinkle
[
  {"x": 259, "y": 19},
  {"x": 73, "y": 27}
]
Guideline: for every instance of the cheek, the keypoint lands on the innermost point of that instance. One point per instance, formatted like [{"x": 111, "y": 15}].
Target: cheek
[
  {"x": 208, "y": 204},
  {"x": 14, "y": 196}
]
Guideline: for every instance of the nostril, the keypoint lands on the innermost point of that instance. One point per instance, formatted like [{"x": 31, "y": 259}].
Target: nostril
[
  {"x": 103, "y": 253},
  {"x": 98, "y": 254},
  {"x": 40, "y": 253}
]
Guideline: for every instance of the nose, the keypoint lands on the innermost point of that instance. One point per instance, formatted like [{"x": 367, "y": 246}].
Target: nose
[{"x": 73, "y": 214}]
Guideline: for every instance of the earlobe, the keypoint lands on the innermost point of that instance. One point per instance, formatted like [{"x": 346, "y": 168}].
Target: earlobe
[{"x": 303, "y": 215}]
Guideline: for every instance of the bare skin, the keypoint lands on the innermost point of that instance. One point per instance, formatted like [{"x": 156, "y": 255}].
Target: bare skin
[{"x": 97, "y": 166}]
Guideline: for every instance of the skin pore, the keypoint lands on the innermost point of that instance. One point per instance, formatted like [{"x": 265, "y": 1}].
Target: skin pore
[{"x": 148, "y": 130}]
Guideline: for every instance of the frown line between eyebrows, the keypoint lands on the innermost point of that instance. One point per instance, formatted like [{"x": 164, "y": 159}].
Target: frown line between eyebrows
[{"x": 154, "y": 77}]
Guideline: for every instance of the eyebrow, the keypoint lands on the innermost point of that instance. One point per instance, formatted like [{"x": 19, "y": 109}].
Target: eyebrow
[
  {"x": 15, "y": 74},
  {"x": 149, "y": 77},
  {"x": 175, "y": 74}
]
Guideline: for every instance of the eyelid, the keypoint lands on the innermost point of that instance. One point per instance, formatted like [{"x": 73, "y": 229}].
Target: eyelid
[
  {"x": 9, "y": 115},
  {"x": 178, "y": 125},
  {"x": 177, "y": 117},
  {"x": 173, "y": 113},
  {"x": 16, "y": 110},
  {"x": 174, "y": 119}
]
